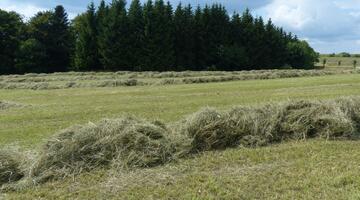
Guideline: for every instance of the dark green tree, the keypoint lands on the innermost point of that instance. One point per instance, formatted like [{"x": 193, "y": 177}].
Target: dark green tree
[
  {"x": 234, "y": 54},
  {"x": 301, "y": 55},
  {"x": 184, "y": 29},
  {"x": 136, "y": 36},
  {"x": 11, "y": 26},
  {"x": 101, "y": 17},
  {"x": 33, "y": 54},
  {"x": 32, "y": 57},
  {"x": 148, "y": 37},
  {"x": 276, "y": 47},
  {"x": 48, "y": 45},
  {"x": 158, "y": 36},
  {"x": 86, "y": 54},
  {"x": 199, "y": 41},
  {"x": 59, "y": 41},
  {"x": 114, "y": 42},
  {"x": 219, "y": 26}
]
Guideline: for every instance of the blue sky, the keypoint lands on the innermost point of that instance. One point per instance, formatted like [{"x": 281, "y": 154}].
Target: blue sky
[{"x": 328, "y": 25}]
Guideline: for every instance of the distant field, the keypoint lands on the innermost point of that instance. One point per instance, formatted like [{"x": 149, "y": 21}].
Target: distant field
[
  {"x": 345, "y": 62},
  {"x": 310, "y": 170}
]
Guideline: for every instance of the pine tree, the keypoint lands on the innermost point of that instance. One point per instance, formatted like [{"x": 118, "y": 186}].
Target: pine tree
[
  {"x": 10, "y": 30},
  {"x": 164, "y": 36},
  {"x": 86, "y": 55},
  {"x": 235, "y": 56},
  {"x": 259, "y": 50},
  {"x": 199, "y": 41},
  {"x": 136, "y": 36},
  {"x": 220, "y": 26},
  {"x": 33, "y": 54},
  {"x": 114, "y": 41},
  {"x": 277, "y": 46},
  {"x": 205, "y": 32},
  {"x": 152, "y": 37},
  {"x": 101, "y": 17},
  {"x": 149, "y": 41},
  {"x": 59, "y": 43},
  {"x": 247, "y": 24},
  {"x": 159, "y": 41},
  {"x": 184, "y": 37}
]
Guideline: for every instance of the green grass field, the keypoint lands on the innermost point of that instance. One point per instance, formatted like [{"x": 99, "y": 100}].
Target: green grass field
[{"x": 316, "y": 169}]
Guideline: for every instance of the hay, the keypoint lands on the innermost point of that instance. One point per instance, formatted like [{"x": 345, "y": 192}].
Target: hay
[
  {"x": 258, "y": 126},
  {"x": 4, "y": 105},
  {"x": 208, "y": 130},
  {"x": 120, "y": 79},
  {"x": 126, "y": 142},
  {"x": 9, "y": 167},
  {"x": 134, "y": 143},
  {"x": 302, "y": 120}
]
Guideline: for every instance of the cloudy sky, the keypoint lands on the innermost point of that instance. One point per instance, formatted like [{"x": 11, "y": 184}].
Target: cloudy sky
[{"x": 329, "y": 25}]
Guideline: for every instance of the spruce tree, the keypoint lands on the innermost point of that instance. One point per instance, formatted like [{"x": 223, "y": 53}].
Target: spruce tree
[
  {"x": 205, "y": 31},
  {"x": 199, "y": 41},
  {"x": 101, "y": 17},
  {"x": 158, "y": 40},
  {"x": 247, "y": 24},
  {"x": 184, "y": 37},
  {"x": 86, "y": 54},
  {"x": 136, "y": 36},
  {"x": 59, "y": 43},
  {"x": 11, "y": 26},
  {"x": 259, "y": 50},
  {"x": 152, "y": 37},
  {"x": 164, "y": 36},
  {"x": 235, "y": 56},
  {"x": 114, "y": 41},
  {"x": 33, "y": 54},
  {"x": 219, "y": 35}
]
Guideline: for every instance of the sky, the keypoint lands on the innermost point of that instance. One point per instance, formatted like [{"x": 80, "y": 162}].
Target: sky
[{"x": 330, "y": 26}]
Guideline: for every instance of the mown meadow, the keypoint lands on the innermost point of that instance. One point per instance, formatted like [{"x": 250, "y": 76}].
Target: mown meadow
[
  {"x": 298, "y": 163},
  {"x": 338, "y": 62}
]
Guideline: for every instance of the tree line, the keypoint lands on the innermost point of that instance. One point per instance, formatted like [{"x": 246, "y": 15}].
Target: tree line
[{"x": 152, "y": 36}]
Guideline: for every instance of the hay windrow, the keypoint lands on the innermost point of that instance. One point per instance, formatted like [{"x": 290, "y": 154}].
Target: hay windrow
[
  {"x": 258, "y": 126},
  {"x": 4, "y": 105},
  {"x": 127, "y": 142},
  {"x": 123, "y": 79},
  {"x": 9, "y": 167},
  {"x": 135, "y": 143}
]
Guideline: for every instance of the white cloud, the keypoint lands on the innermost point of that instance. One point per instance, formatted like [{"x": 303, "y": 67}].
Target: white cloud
[
  {"x": 328, "y": 21},
  {"x": 26, "y": 9},
  {"x": 29, "y": 9}
]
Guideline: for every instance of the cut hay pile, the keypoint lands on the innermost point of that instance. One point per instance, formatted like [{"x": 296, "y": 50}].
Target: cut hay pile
[
  {"x": 135, "y": 143},
  {"x": 258, "y": 126},
  {"x": 6, "y": 105},
  {"x": 9, "y": 167},
  {"x": 126, "y": 142}
]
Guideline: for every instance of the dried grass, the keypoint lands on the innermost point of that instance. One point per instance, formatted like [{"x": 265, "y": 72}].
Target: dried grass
[
  {"x": 4, "y": 105},
  {"x": 119, "y": 79},
  {"x": 125, "y": 143},
  {"x": 9, "y": 167},
  {"x": 134, "y": 143},
  {"x": 257, "y": 126}
]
